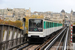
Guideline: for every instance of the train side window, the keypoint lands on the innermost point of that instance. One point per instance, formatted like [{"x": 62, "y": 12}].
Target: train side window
[
  {"x": 46, "y": 24},
  {"x": 52, "y": 24},
  {"x": 49, "y": 24},
  {"x": 56, "y": 24}
]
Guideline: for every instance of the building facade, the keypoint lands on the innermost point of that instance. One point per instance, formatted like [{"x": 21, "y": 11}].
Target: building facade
[{"x": 14, "y": 14}]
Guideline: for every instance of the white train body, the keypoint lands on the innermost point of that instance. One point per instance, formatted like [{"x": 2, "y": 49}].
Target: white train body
[{"x": 47, "y": 28}]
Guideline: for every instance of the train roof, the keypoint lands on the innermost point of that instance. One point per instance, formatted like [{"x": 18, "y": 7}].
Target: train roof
[
  {"x": 35, "y": 18},
  {"x": 46, "y": 20}
]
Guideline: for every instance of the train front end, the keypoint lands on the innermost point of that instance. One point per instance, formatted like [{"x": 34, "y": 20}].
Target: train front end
[{"x": 35, "y": 32}]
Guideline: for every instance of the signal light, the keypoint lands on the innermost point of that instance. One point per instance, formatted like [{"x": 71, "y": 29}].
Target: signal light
[{"x": 24, "y": 19}]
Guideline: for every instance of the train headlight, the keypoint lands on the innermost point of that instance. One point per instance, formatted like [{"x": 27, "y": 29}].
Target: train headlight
[{"x": 30, "y": 30}]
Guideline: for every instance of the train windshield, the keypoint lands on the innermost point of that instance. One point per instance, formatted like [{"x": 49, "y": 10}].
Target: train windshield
[{"x": 35, "y": 23}]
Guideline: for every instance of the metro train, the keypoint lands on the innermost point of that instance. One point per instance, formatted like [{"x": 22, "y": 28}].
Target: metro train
[{"x": 39, "y": 29}]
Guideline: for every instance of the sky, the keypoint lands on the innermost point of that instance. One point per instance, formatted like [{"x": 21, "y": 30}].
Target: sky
[{"x": 40, "y": 5}]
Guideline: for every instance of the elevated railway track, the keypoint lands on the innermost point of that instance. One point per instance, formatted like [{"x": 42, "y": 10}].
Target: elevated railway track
[
  {"x": 16, "y": 40},
  {"x": 57, "y": 42}
]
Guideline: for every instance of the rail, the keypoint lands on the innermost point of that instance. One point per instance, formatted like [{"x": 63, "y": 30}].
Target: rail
[
  {"x": 23, "y": 47},
  {"x": 61, "y": 40},
  {"x": 65, "y": 44},
  {"x": 11, "y": 37},
  {"x": 50, "y": 45}
]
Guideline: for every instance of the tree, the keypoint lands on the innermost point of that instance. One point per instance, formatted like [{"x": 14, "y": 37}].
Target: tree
[{"x": 18, "y": 23}]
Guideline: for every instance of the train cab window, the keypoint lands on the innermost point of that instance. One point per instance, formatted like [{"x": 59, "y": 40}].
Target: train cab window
[{"x": 35, "y": 23}]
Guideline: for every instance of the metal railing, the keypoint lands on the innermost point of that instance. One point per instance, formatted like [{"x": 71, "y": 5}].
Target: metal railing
[
  {"x": 61, "y": 39},
  {"x": 10, "y": 37},
  {"x": 66, "y": 40},
  {"x": 50, "y": 45}
]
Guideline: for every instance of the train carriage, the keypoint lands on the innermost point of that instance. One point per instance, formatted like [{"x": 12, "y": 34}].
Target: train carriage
[{"x": 39, "y": 29}]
